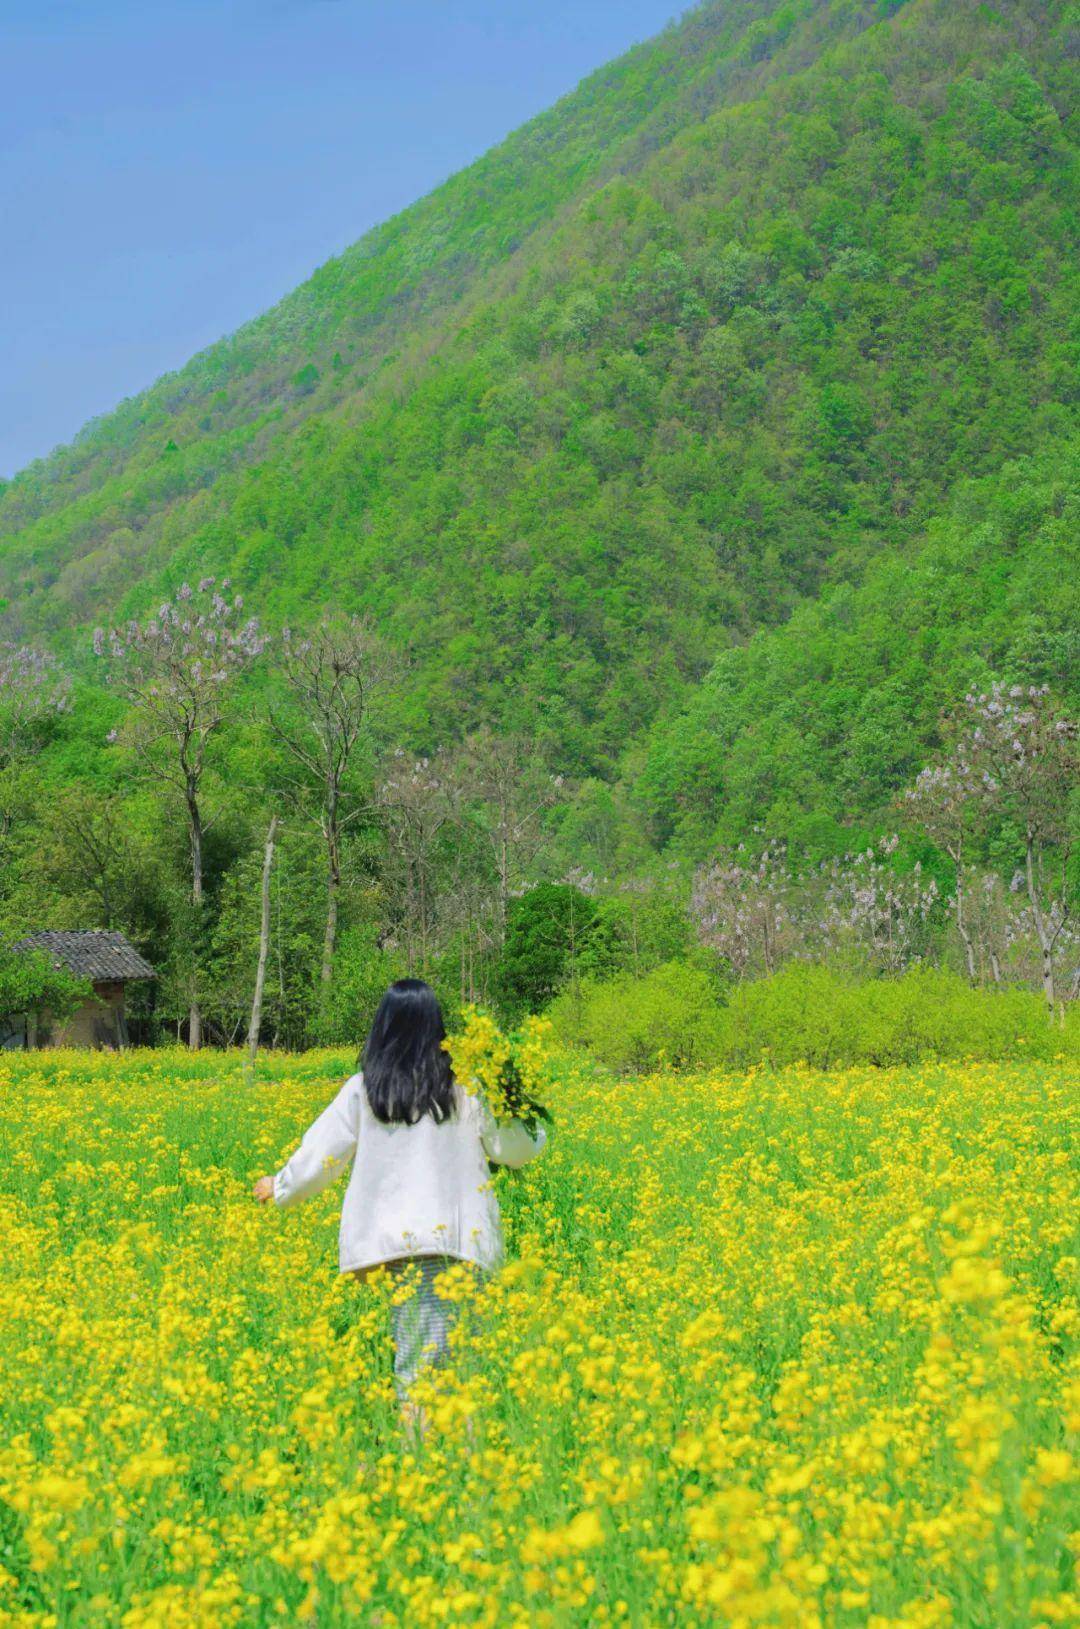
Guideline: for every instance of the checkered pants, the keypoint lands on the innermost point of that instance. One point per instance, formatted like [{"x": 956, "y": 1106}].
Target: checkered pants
[{"x": 422, "y": 1322}]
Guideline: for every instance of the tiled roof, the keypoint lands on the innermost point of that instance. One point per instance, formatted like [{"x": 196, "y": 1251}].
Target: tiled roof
[{"x": 98, "y": 954}]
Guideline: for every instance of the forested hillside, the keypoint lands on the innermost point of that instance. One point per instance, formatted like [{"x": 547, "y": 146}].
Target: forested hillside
[
  {"x": 815, "y": 726},
  {"x": 705, "y": 441}
]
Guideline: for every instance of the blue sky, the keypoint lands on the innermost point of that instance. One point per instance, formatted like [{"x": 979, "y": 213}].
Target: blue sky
[{"x": 170, "y": 168}]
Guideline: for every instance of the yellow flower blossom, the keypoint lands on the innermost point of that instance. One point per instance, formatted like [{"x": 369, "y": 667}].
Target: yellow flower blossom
[{"x": 775, "y": 1350}]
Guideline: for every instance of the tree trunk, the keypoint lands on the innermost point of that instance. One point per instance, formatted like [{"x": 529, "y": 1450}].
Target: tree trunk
[
  {"x": 333, "y": 889},
  {"x": 326, "y": 972},
  {"x": 961, "y": 928},
  {"x": 422, "y": 903},
  {"x": 1046, "y": 943},
  {"x": 195, "y": 831},
  {"x": 264, "y": 947},
  {"x": 504, "y": 879},
  {"x": 1049, "y": 992}
]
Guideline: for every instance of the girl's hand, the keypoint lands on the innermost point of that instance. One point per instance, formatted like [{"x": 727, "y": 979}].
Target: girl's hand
[{"x": 264, "y": 1189}]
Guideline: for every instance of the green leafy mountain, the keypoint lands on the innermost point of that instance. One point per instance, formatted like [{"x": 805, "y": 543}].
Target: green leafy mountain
[
  {"x": 683, "y": 432},
  {"x": 813, "y": 727}
]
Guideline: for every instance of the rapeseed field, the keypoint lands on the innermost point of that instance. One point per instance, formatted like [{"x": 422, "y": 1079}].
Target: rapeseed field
[{"x": 771, "y": 1349}]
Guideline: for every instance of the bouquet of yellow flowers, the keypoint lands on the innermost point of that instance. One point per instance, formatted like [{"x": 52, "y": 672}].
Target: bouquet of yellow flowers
[{"x": 508, "y": 1071}]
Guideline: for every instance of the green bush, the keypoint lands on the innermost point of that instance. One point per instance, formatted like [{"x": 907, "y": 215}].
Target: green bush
[
  {"x": 547, "y": 928},
  {"x": 675, "y": 1016},
  {"x": 362, "y": 971},
  {"x": 30, "y": 983},
  {"x": 812, "y": 1014},
  {"x": 670, "y": 1017},
  {"x": 633, "y": 933}
]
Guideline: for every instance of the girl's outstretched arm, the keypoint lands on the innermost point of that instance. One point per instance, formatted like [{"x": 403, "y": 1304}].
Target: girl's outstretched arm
[{"x": 326, "y": 1150}]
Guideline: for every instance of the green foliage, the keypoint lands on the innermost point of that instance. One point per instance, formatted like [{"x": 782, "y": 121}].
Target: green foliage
[
  {"x": 634, "y": 932},
  {"x": 676, "y": 1017},
  {"x": 362, "y": 972},
  {"x": 836, "y": 712},
  {"x": 669, "y": 1017},
  {"x": 30, "y": 983},
  {"x": 292, "y": 1010},
  {"x": 811, "y": 1015},
  {"x": 547, "y": 929}
]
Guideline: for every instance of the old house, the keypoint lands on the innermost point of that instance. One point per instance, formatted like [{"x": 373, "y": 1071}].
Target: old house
[{"x": 110, "y": 963}]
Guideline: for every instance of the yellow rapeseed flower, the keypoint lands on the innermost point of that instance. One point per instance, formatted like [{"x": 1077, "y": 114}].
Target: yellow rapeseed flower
[{"x": 778, "y": 1348}]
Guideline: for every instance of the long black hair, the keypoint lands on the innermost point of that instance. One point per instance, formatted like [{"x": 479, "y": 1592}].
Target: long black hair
[{"x": 406, "y": 1072}]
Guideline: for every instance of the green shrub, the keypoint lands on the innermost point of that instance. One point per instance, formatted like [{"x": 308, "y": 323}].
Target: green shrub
[
  {"x": 636, "y": 933},
  {"x": 675, "y": 1016},
  {"x": 362, "y": 972},
  {"x": 812, "y": 1014},
  {"x": 30, "y": 983},
  {"x": 547, "y": 927},
  {"x": 670, "y": 1016}
]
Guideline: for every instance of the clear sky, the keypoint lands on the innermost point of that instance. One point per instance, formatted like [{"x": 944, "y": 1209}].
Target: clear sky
[{"x": 169, "y": 168}]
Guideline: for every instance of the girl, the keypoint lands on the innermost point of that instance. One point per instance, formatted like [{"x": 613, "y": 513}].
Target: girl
[{"x": 419, "y": 1197}]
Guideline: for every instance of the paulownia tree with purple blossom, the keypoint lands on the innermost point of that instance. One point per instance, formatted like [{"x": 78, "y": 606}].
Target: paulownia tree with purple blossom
[
  {"x": 998, "y": 924},
  {"x": 944, "y": 802},
  {"x": 884, "y": 912},
  {"x": 1026, "y": 757},
  {"x": 758, "y": 913},
  {"x": 1019, "y": 939},
  {"x": 176, "y": 671},
  {"x": 1014, "y": 758},
  {"x": 745, "y": 908}
]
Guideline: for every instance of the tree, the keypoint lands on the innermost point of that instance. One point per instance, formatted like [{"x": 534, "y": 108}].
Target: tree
[
  {"x": 758, "y": 913},
  {"x": 944, "y": 803},
  {"x": 468, "y": 911},
  {"x": 176, "y": 671},
  {"x": 547, "y": 928},
  {"x": 418, "y": 797},
  {"x": 1025, "y": 763},
  {"x": 296, "y": 921},
  {"x": 883, "y": 911},
  {"x": 513, "y": 789},
  {"x": 85, "y": 848},
  {"x": 33, "y": 690},
  {"x": 30, "y": 983},
  {"x": 642, "y": 924},
  {"x": 330, "y": 676},
  {"x": 744, "y": 907},
  {"x": 255, "y": 1024}
]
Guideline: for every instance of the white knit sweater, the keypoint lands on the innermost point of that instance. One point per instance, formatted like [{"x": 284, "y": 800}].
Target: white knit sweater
[{"x": 421, "y": 1190}]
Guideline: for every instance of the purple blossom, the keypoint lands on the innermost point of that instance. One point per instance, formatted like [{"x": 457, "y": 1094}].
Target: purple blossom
[
  {"x": 32, "y": 688},
  {"x": 175, "y": 668}
]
